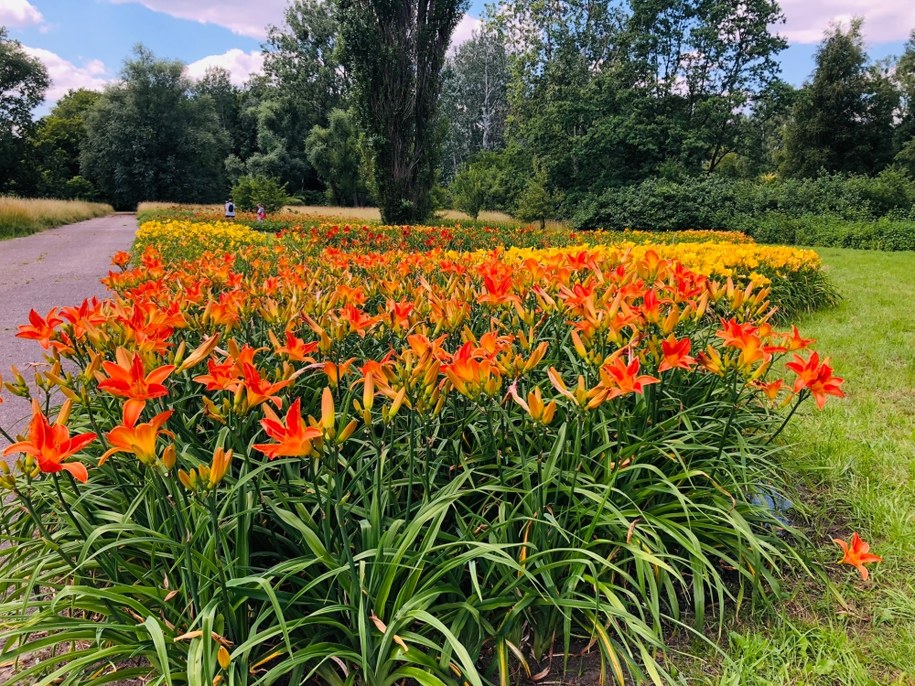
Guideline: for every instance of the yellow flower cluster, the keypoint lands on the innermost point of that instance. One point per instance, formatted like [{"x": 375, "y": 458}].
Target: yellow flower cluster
[
  {"x": 178, "y": 238},
  {"x": 708, "y": 259}
]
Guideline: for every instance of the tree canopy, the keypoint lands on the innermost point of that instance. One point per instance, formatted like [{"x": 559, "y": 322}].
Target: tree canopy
[{"x": 149, "y": 138}]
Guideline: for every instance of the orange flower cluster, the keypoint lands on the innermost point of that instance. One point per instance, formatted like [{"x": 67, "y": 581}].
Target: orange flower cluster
[{"x": 416, "y": 330}]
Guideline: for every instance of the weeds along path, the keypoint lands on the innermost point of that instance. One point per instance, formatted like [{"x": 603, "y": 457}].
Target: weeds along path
[{"x": 48, "y": 269}]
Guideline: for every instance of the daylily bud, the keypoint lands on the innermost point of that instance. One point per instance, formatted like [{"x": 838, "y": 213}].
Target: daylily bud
[
  {"x": 200, "y": 353},
  {"x": 220, "y": 465},
  {"x": 169, "y": 457}
]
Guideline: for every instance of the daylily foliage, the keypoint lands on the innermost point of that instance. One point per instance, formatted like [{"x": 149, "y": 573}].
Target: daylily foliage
[{"x": 310, "y": 462}]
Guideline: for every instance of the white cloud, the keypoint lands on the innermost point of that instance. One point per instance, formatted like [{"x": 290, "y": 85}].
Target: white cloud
[
  {"x": 19, "y": 13},
  {"x": 463, "y": 32},
  {"x": 884, "y": 20},
  {"x": 239, "y": 63},
  {"x": 243, "y": 17},
  {"x": 65, "y": 75}
]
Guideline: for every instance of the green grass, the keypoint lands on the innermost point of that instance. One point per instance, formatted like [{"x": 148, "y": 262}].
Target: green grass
[{"x": 855, "y": 466}]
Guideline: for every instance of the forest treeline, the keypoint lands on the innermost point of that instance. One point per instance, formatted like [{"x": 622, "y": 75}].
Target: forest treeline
[{"x": 615, "y": 113}]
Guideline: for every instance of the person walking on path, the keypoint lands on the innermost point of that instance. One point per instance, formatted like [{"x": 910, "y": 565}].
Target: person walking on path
[
  {"x": 230, "y": 209},
  {"x": 261, "y": 213}
]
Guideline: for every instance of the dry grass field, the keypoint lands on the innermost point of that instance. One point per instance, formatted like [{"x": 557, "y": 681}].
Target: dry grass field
[
  {"x": 349, "y": 214},
  {"x": 22, "y": 216}
]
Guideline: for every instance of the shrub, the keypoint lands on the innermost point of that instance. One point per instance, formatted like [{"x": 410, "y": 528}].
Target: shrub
[
  {"x": 253, "y": 190},
  {"x": 832, "y": 231},
  {"x": 713, "y": 202},
  {"x": 470, "y": 190},
  {"x": 538, "y": 201}
]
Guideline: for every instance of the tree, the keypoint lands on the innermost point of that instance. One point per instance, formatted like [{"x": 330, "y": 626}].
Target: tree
[
  {"x": 216, "y": 84},
  {"x": 336, "y": 154},
  {"x": 708, "y": 60},
  {"x": 394, "y": 50},
  {"x": 905, "y": 130},
  {"x": 302, "y": 83},
  {"x": 57, "y": 142},
  {"x": 23, "y": 83},
  {"x": 474, "y": 99},
  {"x": 614, "y": 92},
  {"x": 843, "y": 119},
  {"x": 148, "y": 138}
]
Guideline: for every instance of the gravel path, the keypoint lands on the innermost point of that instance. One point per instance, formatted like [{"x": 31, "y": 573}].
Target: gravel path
[{"x": 58, "y": 267}]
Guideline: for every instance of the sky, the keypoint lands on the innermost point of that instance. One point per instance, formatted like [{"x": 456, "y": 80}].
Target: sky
[{"x": 84, "y": 42}]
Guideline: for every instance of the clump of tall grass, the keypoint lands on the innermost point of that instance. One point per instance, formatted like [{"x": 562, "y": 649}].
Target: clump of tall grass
[{"x": 24, "y": 216}]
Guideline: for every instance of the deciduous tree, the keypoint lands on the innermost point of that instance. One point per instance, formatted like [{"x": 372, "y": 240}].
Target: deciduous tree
[
  {"x": 148, "y": 138},
  {"x": 23, "y": 82},
  {"x": 474, "y": 99}
]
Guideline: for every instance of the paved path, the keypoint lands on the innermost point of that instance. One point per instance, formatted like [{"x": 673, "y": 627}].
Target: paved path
[{"x": 58, "y": 267}]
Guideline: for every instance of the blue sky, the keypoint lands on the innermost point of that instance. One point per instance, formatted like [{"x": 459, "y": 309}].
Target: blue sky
[{"x": 84, "y": 42}]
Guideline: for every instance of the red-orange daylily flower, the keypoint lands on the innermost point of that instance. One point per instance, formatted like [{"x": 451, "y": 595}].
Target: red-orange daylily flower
[
  {"x": 259, "y": 389},
  {"x": 127, "y": 378},
  {"x": 121, "y": 259},
  {"x": 293, "y": 439},
  {"x": 816, "y": 378},
  {"x": 223, "y": 376},
  {"x": 676, "y": 354},
  {"x": 139, "y": 439},
  {"x": 50, "y": 444},
  {"x": 621, "y": 378},
  {"x": 856, "y": 553},
  {"x": 794, "y": 340}
]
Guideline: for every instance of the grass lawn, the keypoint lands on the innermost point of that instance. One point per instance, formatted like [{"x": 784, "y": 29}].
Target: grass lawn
[{"x": 855, "y": 462}]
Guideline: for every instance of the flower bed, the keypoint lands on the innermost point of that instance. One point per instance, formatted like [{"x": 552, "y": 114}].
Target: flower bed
[{"x": 291, "y": 464}]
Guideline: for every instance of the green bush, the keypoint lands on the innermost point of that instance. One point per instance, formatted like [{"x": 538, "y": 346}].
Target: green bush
[
  {"x": 831, "y": 231},
  {"x": 714, "y": 202},
  {"x": 470, "y": 190},
  {"x": 251, "y": 190}
]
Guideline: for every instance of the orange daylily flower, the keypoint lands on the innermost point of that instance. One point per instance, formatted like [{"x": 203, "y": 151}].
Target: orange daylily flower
[
  {"x": 471, "y": 376},
  {"x": 50, "y": 444},
  {"x": 41, "y": 329},
  {"x": 295, "y": 349},
  {"x": 579, "y": 396},
  {"x": 816, "y": 378},
  {"x": 127, "y": 378},
  {"x": 293, "y": 439},
  {"x": 207, "y": 477},
  {"x": 129, "y": 437},
  {"x": 856, "y": 553},
  {"x": 327, "y": 425},
  {"x": 538, "y": 410}
]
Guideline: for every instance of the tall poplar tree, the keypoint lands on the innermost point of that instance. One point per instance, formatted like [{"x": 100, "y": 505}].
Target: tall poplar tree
[{"x": 394, "y": 51}]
